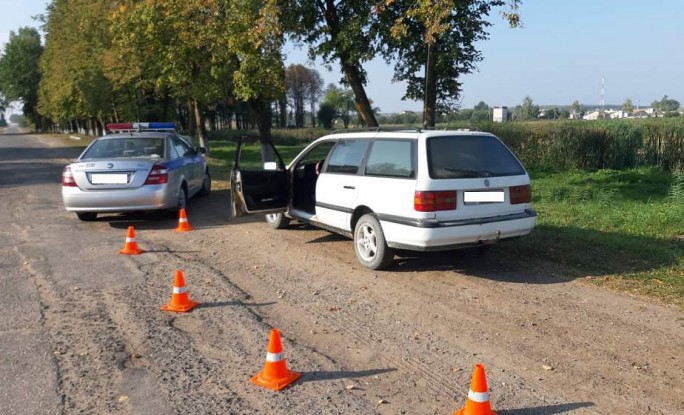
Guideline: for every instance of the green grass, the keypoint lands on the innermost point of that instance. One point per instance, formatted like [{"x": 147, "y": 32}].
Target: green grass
[
  {"x": 621, "y": 228},
  {"x": 222, "y": 157}
]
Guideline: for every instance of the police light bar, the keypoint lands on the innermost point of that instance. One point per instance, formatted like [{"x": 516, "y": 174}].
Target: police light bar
[{"x": 141, "y": 126}]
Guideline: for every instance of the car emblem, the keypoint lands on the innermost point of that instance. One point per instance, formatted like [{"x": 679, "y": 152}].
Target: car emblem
[
  {"x": 486, "y": 182},
  {"x": 110, "y": 165}
]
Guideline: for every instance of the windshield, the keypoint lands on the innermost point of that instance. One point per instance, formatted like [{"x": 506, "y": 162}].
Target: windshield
[
  {"x": 125, "y": 147},
  {"x": 470, "y": 156}
]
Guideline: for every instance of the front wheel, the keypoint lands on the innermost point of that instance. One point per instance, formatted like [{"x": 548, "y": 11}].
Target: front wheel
[
  {"x": 278, "y": 220},
  {"x": 206, "y": 185},
  {"x": 370, "y": 245}
]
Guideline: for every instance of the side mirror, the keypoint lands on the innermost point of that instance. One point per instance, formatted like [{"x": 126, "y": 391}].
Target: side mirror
[
  {"x": 270, "y": 165},
  {"x": 201, "y": 150}
]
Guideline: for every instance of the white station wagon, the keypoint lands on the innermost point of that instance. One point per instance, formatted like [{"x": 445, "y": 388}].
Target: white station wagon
[{"x": 388, "y": 190}]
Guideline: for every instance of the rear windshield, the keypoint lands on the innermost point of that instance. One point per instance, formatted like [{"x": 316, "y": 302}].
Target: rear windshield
[
  {"x": 125, "y": 147},
  {"x": 470, "y": 156}
]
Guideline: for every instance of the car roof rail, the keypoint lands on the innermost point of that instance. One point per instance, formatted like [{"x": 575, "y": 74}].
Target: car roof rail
[{"x": 378, "y": 129}]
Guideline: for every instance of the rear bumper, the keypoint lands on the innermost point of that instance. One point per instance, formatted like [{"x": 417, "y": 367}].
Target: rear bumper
[
  {"x": 431, "y": 235},
  {"x": 101, "y": 201}
]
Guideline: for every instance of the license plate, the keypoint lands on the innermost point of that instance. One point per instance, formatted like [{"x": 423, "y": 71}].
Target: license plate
[
  {"x": 483, "y": 197},
  {"x": 110, "y": 178}
]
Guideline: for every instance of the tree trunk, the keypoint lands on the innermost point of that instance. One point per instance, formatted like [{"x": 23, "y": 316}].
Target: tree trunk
[
  {"x": 350, "y": 68},
  {"x": 363, "y": 106},
  {"x": 282, "y": 107},
  {"x": 430, "y": 101},
  {"x": 262, "y": 112},
  {"x": 313, "y": 114},
  {"x": 199, "y": 124}
]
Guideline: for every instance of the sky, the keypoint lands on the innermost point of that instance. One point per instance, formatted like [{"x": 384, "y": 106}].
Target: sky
[{"x": 560, "y": 55}]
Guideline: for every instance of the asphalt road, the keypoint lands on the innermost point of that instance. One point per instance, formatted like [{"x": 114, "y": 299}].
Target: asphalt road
[{"x": 81, "y": 330}]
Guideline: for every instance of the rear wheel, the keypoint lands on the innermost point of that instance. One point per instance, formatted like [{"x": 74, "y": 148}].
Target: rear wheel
[
  {"x": 370, "y": 245},
  {"x": 278, "y": 220},
  {"x": 87, "y": 216}
]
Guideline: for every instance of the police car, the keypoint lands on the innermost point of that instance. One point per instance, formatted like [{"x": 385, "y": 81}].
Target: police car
[{"x": 137, "y": 167}]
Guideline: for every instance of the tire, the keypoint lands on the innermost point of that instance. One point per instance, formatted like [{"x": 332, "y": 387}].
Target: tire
[
  {"x": 370, "y": 245},
  {"x": 206, "y": 185},
  {"x": 87, "y": 216},
  {"x": 182, "y": 201},
  {"x": 278, "y": 220}
]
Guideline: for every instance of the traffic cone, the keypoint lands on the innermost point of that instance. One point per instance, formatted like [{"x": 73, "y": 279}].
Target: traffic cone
[
  {"x": 275, "y": 374},
  {"x": 478, "y": 395},
  {"x": 180, "y": 301},
  {"x": 131, "y": 247},
  {"x": 183, "y": 224}
]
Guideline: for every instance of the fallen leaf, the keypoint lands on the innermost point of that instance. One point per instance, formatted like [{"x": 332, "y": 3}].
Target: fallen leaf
[
  {"x": 382, "y": 401},
  {"x": 351, "y": 387},
  {"x": 122, "y": 398},
  {"x": 547, "y": 367}
]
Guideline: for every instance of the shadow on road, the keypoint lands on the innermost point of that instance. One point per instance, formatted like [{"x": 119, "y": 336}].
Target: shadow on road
[
  {"x": 343, "y": 374},
  {"x": 546, "y": 410}
]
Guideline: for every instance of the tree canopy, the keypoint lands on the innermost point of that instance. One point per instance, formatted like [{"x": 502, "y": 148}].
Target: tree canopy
[
  {"x": 188, "y": 59},
  {"x": 20, "y": 71}
]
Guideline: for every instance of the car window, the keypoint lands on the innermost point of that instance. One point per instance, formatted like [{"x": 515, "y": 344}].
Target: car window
[
  {"x": 470, "y": 156},
  {"x": 125, "y": 147},
  {"x": 347, "y": 156},
  {"x": 317, "y": 153},
  {"x": 181, "y": 147},
  {"x": 391, "y": 158}
]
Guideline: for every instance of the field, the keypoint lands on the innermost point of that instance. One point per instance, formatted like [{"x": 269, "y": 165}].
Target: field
[{"x": 622, "y": 229}]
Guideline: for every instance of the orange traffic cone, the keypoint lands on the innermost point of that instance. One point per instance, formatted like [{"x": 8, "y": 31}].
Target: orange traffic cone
[
  {"x": 183, "y": 224},
  {"x": 131, "y": 247},
  {"x": 478, "y": 395},
  {"x": 275, "y": 374},
  {"x": 180, "y": 301}
]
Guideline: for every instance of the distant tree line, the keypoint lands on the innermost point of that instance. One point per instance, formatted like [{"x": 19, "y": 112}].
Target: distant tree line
[{"x": 218, "y": 64}]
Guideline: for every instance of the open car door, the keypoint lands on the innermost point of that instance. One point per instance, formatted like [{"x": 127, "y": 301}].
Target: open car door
[{"x": 258, "y": 187}]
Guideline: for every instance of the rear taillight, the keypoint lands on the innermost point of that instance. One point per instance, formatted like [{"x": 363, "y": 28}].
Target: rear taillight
[
  {"x": 434, "y": 201},
  {"x": 68, "y": 178},
  {"x": 521, "y": 194},
  {"x": 158, "y": 175}
]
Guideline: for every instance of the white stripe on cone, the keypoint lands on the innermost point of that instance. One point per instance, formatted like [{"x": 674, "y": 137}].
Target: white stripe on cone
[
  {"x": 130, "y": 239},
  {"x": 178, "y": 290},
  {"x": 479, "y": 397},
  {"x": 274, "y": 357}
]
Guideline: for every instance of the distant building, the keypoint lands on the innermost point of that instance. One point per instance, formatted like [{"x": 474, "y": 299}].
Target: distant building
[
  {"x": 617, "y": 114},
  {"x": 500, "y": 114},
  {"x": 640, "y": 114},
  {"x": 594, "y": 115}
]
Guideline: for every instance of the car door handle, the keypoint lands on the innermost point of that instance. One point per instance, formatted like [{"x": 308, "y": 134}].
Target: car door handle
[{"x": 349, "y": 187}]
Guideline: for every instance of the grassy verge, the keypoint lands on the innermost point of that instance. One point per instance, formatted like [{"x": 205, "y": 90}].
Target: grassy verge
[{"x": 621, "y": 229}]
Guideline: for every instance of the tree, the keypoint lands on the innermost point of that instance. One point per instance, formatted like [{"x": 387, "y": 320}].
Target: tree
[
  {"x": 627, "y": 106},
  {"x": 342, "y": 100},
  {"x": 438, "y": 37},
  {"x": 20, "y": 71},
  {"x": 327, "y": 114},
  {"x": 666, "y": 104},
  {"x": 314, "y": 91},
  {"x": 303, "y": 85},
  {"x": 341, "y": 32},
  {"x": 576, "y": 110},
  {"x": 526, "y": 111}
]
